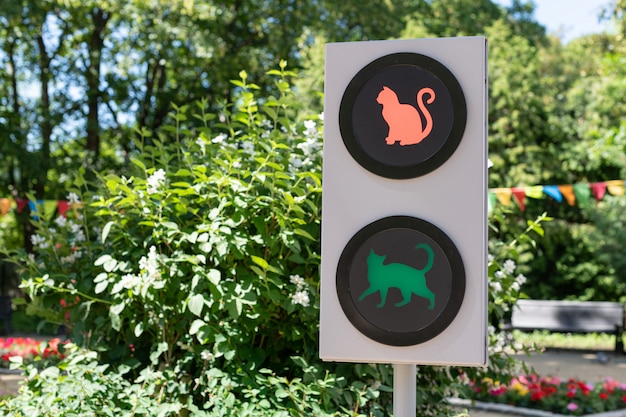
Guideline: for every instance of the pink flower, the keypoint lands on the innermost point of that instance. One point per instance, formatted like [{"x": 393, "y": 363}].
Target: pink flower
[{"x": 572, "y": 406}]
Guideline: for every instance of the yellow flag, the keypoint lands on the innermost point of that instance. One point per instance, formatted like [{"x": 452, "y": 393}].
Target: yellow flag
[{"x": 615, "y": 187}]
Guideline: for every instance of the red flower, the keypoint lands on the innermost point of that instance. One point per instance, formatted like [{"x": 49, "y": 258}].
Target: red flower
[{"x": 604, "y": 395}]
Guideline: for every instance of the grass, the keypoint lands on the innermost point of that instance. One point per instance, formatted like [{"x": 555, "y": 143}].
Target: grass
[{"x": 547, "y": 340}]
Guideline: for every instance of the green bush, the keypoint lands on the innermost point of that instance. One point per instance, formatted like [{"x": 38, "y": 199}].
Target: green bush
[{"x": 192, "y": 280}]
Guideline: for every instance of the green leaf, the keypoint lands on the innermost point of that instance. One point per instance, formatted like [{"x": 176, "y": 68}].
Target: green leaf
[
  {"x": 258, "y": 271},
  {"x": 161, "y": 347},
  {"x": 183, "y": 173},
  {"x": 214, "y": 276},
  {"x": 195, "y": 304},
  {"x": 304, "y": 233},
  {"x": 51, "y": 372},
  {"x": 101, "y": 287},
  {"x": 234, "y": 308},
  {"x": 105, "y": 231},
  {"x": 196, "y": 326},
  {"x": 117, "y": 308},
  {"x": 100, "y": 277},
  {"x": 116, "y": 322},
  {"x": 259, "y": 261},
  {"x": 169, "y": 225},
  {"x": 102, "y": 259},
  {"x": 138, "y": 162},
  {"x": 138, "y": 329}
]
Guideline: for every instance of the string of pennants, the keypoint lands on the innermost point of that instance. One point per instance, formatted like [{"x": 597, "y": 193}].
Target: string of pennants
[
  {"x": 580, "y": 193},
  {"x": 45, "y": 207}
]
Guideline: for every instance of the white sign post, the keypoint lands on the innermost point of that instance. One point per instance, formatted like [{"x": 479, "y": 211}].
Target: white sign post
[{"x": 404, "y": 226}]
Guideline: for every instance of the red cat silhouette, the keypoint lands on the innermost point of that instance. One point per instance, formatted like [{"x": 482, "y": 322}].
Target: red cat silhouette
[{"x": 405, "y": 123}]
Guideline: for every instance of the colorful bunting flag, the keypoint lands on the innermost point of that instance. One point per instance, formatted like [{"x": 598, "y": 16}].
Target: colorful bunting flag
[
  {"x": 579, "y": 193},
  {"x": 503, "y": 195},
  {"x": 568, "y": 192},
  {"x": 615, "y": 187},
  {"x": 582, "y": 193},
  {"x": 536, "y": 191},
  {"x": 63, "y": 206},
  {"x": 5, "y": 206},
  {"x": 520, "y": 195},
  {"x": 598, "y": 189},
  {"x": 553, "y": 191}
]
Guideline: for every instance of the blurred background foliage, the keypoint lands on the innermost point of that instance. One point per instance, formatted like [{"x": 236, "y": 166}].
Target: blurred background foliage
[{"x": 81, "y": 78}]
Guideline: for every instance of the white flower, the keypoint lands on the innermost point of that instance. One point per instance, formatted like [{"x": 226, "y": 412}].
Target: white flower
[
  {"x": 206, "y": 355},
  {"x": 301, "y": 297},
  {"x": 129, "y": 281},
  {"x": 155, "y": 180},
  {"x": 150, "y": 266},
  {"x": 297, "y": 280},
  {"x": 75, "y": 227},
  {"x": 219, "y": 138},
  {"x": 78, "y": 237},
  {"x": 520, "y": 278},
  {"x": 295, "y": 162},
  {"x": 69, "y": 259},
  {"x": 39, "y": 241},
  {"x": 496, "y": 286},
  {"x": 60, "y": 221},
  {"x": 309, "y": 126},
  {"x": 321, "y": 116},
  {"x": 499, "y": 274},
  {"x": 310, "y": 147},
  {"x": 202, "y": 144},
  {"x": 509, "y": 266},
  {"x": 73, "y": 198},
  {"x": 248, "y": 147}
]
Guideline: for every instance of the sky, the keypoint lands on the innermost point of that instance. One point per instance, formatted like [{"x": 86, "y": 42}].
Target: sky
[{"x": 569, "y": 18}]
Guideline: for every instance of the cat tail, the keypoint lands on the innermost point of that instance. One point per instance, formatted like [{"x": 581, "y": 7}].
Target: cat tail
[
  {"x": 422, "y": 105},
  {"x": 431, "y": 256}
]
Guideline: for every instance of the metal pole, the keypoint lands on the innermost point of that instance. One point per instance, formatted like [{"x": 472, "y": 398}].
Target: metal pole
[{"x": 404, "y": 388}]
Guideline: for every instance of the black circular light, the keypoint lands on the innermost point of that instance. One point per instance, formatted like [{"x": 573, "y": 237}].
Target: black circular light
[
  {"x": 400, "y": 281},
  {"x": 427, "y": 94}
]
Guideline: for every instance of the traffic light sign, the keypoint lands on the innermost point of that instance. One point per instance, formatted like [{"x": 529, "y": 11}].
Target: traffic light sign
[{"x": 404, "y": 202}]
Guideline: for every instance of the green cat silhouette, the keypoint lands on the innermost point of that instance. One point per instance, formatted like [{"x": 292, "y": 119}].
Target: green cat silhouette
[{"x": 407, "y": 279}]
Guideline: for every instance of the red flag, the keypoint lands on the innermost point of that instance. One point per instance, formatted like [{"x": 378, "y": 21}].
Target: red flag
[
  {"x": 598, "y": 189},
  {"x": 63, "y": 206},
  {"x": 520, "y": 195},
  {"x": 21, "y": 204}
]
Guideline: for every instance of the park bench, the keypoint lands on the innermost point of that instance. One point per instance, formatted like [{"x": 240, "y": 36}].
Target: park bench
[{"x": 570, "y": 317}]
